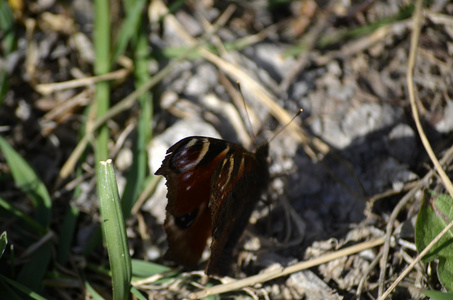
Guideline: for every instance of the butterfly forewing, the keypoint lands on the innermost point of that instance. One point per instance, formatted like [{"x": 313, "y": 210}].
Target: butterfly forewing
[{"x": 188, "y": 169}]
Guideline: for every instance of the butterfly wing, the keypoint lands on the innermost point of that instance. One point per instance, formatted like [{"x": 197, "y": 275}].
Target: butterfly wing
[
  {"x": 237, "y": 185},
  {"x": 188, "y": 169}
]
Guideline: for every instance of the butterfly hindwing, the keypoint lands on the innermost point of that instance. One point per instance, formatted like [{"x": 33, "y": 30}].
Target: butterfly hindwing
[{"x": 237, "y": 185}]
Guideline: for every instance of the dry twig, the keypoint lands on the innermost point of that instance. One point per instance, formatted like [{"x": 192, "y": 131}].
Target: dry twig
[
  {"x": 410, "y": 85},
  {"x": 273, "y": 274}
]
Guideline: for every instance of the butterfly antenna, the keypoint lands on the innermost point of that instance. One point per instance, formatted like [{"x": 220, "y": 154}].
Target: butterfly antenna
[
  {"x": 252, "y": 134},
  {"x": 287, "y": 124}
]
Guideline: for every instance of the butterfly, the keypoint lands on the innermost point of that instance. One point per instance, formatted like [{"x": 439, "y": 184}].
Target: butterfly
[{"x": 213, "y": 186}]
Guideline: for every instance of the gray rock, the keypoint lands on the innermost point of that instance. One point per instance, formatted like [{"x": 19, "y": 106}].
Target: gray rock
[{"x": 401, "y": 143}]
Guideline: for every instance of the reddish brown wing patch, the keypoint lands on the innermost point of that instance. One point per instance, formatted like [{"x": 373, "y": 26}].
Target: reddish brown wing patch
[{"x": 188, "y": 168}]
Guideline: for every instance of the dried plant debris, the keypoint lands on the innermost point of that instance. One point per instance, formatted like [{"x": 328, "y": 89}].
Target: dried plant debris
[{"x": 353, "y": 168}]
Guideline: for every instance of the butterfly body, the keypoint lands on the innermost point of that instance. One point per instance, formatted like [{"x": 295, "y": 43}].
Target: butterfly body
[{"x": 213, "y": 186}]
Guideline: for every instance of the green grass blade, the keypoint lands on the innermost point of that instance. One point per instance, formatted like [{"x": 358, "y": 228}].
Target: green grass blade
[
  {"x": 137, "y": 172},
  {"x": 337, "y": 37},
  {"x": 93, "y": 242},
  {"x": 28, "y": 181},
  {"x": 22, "y": 288},
  {"x": 8, "y": 42},
  {"x": 7, "y": 291},
  {"x": 102, "y": 66},
  {"x": 66, "y": 235},
  {"x": 137, "y": 294},
  {"x": 145, "y": 269},
  {"x": 114, "y": 231},
  {"x": 7, "y": 25},
  {"x": 3, "y": 243},
  {"x": 13, "y": 211},
  {"x": 129, "y": 28},
  {"x": 437, "y": 295},
  {"x": 93, "y": 293},
  {"x": 32, "y": 273},
  {"x": 342, "y": 35}
]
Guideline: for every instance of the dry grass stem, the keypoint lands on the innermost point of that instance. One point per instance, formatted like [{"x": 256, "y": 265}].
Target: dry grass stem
[
  {"x": 410, "y": 84},
  {"x": 48, "y": 88},
  {"x": 273, "y": 274}
]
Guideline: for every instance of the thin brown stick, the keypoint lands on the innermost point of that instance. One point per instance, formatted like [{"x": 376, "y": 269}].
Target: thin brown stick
[
  {"x": 410, "y": 89},
  {"x": 250, "y": 126},
  {"x": 389, "y": 230},
  {"x": 368, "y": 270},
  {"x": 410, "y": 86},
  {"x": 311, "y": 38},
  {"x": 446, "y": 159},
  {"x": 280, "y": 272},
  {"x": 417, "y": 260},
  {"x": 47, "y": 88}
]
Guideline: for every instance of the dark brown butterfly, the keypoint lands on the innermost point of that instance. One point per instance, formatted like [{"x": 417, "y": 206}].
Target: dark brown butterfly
[{"x": 213, "y": 186}]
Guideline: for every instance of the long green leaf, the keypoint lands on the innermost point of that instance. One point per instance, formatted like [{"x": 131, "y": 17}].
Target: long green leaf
[
  {"x": 20, "y": 214},
  {"x": 28, "y": 181},
  {"x": 67, "y": 233},
  {"x": 32, "y": 273},
  {"x": 3, "y": 243},
  {"x": 7, "y": 291},
  {"x": 101, "y": 66},
  {"x": 31, "y": 294},
  {"x": 8, "y": 42},
  {"x": 114, "y": 230},
  {"x": 145, "y": 269},
  {"x": 129, "y": 26},
  {"x": 436, "y": 295},
  {"x": 137, "y": 172},
  {"x": 93, "y": 293},
  {"x": 138, "y": 294}
]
